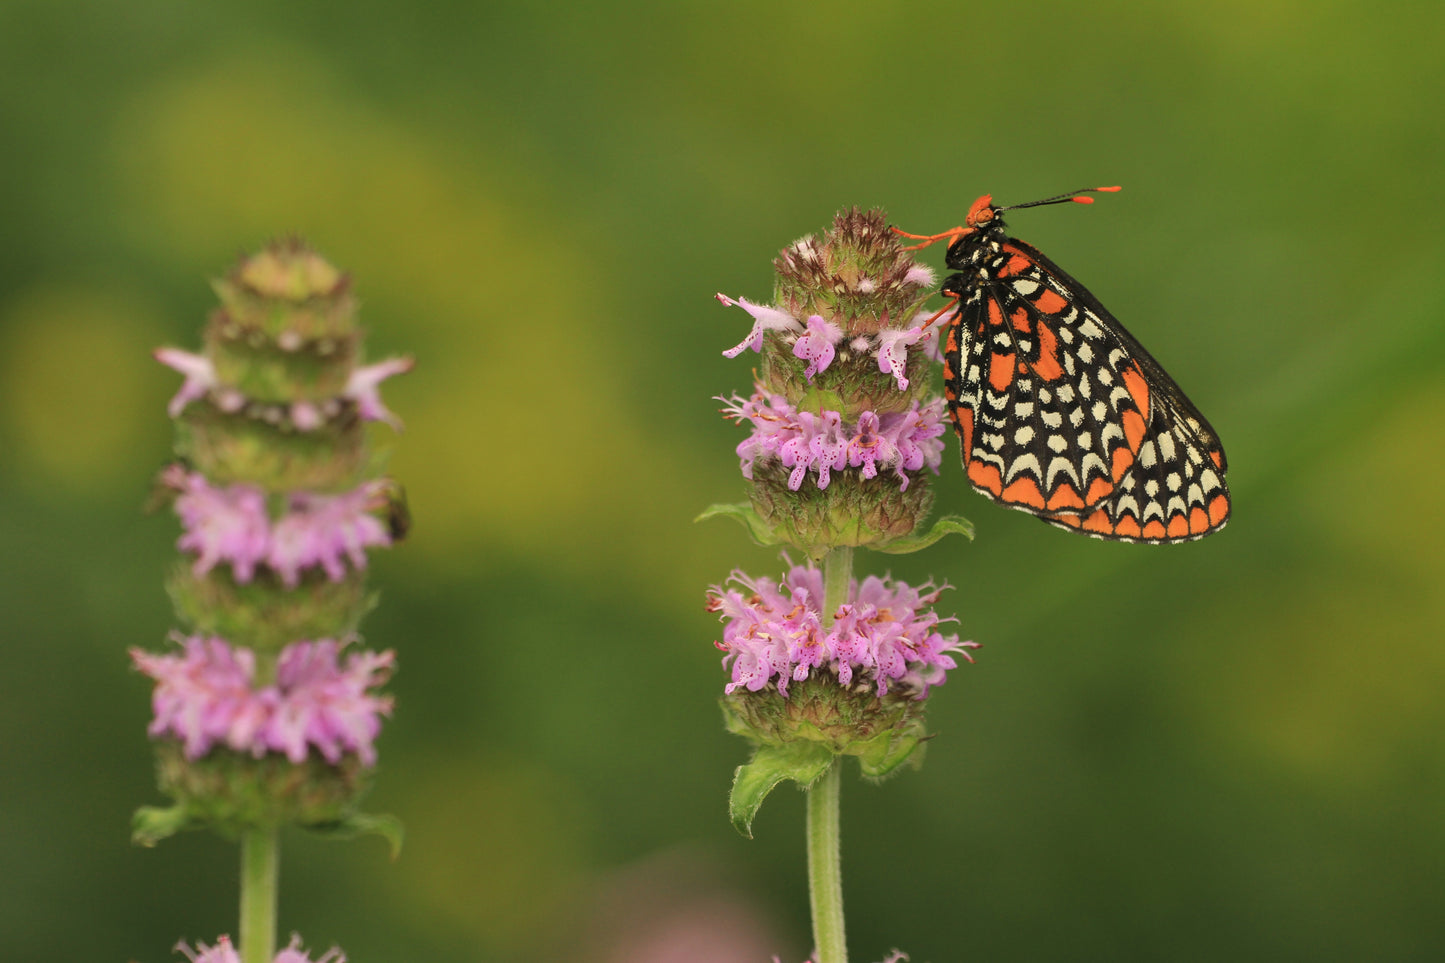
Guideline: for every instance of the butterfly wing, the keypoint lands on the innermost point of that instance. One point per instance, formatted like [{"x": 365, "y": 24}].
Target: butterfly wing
[
  {"x": 1174, "y": 488},
  {"x": 1058, "y": 416},
  {"x": 1062, "y": 413},
  {"x": 1174, "y": 492}
]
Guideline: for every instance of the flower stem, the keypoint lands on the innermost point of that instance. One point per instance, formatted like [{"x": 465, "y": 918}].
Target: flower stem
[
  {"x": 260, "y": 868},
  {"x": 825, "y": 855},
  {"x": 837, "y": 575},
  {"x": 825, "y": 872}
]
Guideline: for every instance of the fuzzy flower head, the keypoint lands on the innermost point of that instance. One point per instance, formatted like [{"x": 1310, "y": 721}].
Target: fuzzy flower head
[
  {"x": 206, "y": 697},
  {"x": 884, "y": 635},
  {"x": 231, "y": 524},
  {"x": 820, "y": 444},
  {"x": 224, "y": 952}
]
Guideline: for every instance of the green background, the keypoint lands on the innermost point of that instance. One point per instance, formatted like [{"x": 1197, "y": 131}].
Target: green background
[{"x": 1225, "y": 750}]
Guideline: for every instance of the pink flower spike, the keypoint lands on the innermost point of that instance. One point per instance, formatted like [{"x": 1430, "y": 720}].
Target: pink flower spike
[
  {"x": 893, "y": 345},
  {"x": 822, "y": 443},
  {"x": 200, "y": 376},
  {"x": 765, "y": 319},
  {"x": 292, "y": 953},
  {"x": 363, "y": 387},
  {"x": 221, "y": 524},
  {"x": 206, "y": 697},
  {"x": 883, "y": 633},
  {"x": 931, "y": 342},
  {"x": 325, "y": 529},
  {"x": 817, "y": 345},
  {"x": 222, "y": 952}
]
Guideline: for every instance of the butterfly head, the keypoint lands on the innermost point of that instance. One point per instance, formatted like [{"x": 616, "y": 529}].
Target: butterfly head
[{"x": 981, "y": 212}]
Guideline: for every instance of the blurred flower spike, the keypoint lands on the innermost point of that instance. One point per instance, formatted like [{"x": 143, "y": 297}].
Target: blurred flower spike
[
  {"x": 206, "y": 696},
  {"x": 264, "y": 716},
  {"x": 232, "y": 524},
  {"x": 224, "y": 952},
  {"x": 362, "y": 390}
]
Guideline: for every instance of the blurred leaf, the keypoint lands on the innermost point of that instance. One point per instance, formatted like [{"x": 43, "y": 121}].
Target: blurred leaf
[{"x": 386, "y": 826}]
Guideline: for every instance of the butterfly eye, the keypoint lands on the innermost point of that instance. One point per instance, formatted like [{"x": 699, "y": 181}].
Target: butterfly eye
[{"x": 980, "y": 212}]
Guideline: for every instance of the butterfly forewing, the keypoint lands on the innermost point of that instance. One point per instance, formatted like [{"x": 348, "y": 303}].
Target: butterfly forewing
[
  {"x": 1061, "y": 412},
  {"x": 1057, "y": 409}
]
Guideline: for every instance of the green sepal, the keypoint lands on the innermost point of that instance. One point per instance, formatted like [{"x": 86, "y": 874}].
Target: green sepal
[
  {"x": 881, "y": 731},
  {"x": 852, "y": 384},
  {"x": 947, "y": 525},
  {"x": 385, "y": 825},
  {"x": 286, "y": 291},
  {"x": 802, "y": 762},
  {"x": 261, "y": 370},
  {"x": 747, "y": 516},
  {"x": 232, "y": 792},
  {"x": 151, "y": 824},
  {"x": 242, "y": 446},
  {"x": 263, "y": 614},
  {"x": 889, "y": 749}
]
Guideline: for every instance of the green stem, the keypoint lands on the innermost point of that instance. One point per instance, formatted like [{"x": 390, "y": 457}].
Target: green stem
[
  {"x": 260, "y": 868},
  {"x": 825, "y": 869},
  {"x": 837, "y": 574},
  {"x": 825, "y": 854}
]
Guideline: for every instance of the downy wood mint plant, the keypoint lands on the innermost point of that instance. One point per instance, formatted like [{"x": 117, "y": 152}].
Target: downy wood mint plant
[
  {"x": 846, "y": 429},
  {"x": 266, "y": 708}
]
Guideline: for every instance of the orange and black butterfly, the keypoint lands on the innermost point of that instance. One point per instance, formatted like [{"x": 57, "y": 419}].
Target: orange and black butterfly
[{"x": 1060, "y": 412}]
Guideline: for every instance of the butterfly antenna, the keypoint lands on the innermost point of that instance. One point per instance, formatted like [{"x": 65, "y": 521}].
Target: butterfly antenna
[{"x": 1074, "y": 196}]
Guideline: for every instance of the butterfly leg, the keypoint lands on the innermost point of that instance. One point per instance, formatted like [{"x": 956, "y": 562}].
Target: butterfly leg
[{"x": 927, "y": 239}]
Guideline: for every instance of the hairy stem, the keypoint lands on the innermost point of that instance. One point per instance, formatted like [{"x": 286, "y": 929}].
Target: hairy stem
[
  {"x": 825, "y": 871},
  {"x": 260, "y": 868},
  {"x": 825, "y": 855}
]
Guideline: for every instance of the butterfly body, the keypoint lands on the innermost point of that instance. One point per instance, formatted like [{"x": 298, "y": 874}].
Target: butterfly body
[{"x": 1060, "y": 412}]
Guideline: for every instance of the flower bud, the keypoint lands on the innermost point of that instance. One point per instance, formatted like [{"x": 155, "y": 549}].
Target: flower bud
[{"x": 857, "y": 275}]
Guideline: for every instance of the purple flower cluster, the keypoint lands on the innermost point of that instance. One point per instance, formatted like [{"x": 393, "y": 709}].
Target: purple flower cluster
[
  {"x": 823, "y": 443},
  {"x": 363, "y": 388},
  {"x": 816, "y": 340},
  {"x": 206, "y": 696},
  {"x": 224, "y": 952},
  {"x": 231, "y": 524},
  {"x": 884, "y": 633}
]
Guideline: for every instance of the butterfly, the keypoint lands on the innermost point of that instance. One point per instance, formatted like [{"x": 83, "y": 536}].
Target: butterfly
[{"x": 1059, "y": 411}]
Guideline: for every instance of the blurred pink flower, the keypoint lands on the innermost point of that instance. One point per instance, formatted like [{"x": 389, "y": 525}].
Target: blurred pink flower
[{"x": 205, "y": 697}]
